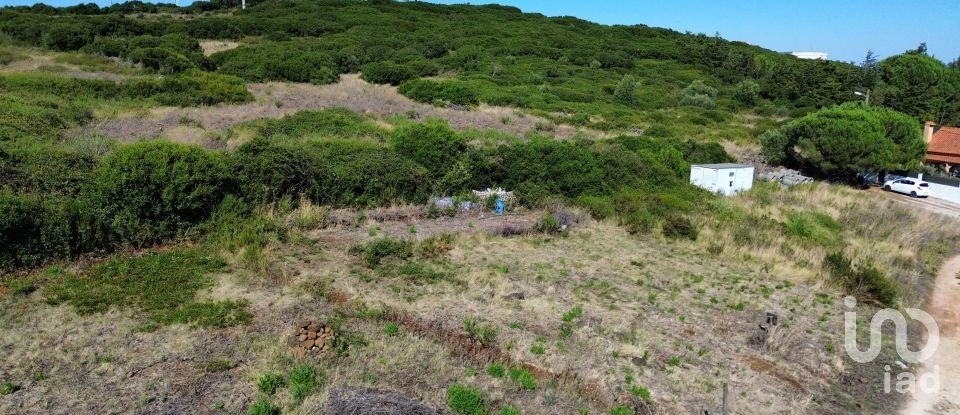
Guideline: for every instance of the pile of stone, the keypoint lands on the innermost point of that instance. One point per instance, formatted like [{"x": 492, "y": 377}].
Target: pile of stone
[
  {"x": 786, "y": 177},
  {"x": 311, "y": 338}
]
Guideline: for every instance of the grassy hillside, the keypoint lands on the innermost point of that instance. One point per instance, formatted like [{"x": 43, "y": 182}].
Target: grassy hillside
[{"x": 179, "y": 187}]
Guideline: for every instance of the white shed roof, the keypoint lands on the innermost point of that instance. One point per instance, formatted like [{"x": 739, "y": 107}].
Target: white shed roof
[{"x": 722, "y": 166}]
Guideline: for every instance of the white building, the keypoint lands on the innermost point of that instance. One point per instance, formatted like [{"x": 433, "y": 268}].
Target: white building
[
  {"x": 726, "y": 178},
  {"x": 811, "y": 55}
]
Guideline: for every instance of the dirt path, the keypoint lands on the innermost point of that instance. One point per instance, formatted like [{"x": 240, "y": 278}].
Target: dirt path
[{"x": 945, "y": 308}]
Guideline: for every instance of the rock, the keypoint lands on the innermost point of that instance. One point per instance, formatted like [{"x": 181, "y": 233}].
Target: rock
[
  {"x": 514, "y": 296},
  {"x": 294, "y": 340},
  {"x": 302, "y": 337},
  {"x": 300, "y": 353},
  {"x": 306, "y": 344},
  {"x": 305, "y": 323},
  {"x": 311, "y": 335},
  {"x": 313, "y": 326}
]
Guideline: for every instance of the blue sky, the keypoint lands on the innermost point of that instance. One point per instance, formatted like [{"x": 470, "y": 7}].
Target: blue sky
[{"x": 843, "y": 28}]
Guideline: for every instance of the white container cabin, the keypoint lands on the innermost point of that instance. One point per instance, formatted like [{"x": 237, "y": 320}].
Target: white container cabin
[{"x": 725, "y": 178}]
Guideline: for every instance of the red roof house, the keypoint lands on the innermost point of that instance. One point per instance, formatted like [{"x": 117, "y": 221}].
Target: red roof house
[{"x": 943, "y": 145}]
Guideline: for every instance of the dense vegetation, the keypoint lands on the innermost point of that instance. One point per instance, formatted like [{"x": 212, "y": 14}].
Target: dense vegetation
[
  {"x": 563, "y": 64},
  {"x": 155, "y": 191},
  {"x": 841, "y": 141},
  {"x": 63, "y": 200}
]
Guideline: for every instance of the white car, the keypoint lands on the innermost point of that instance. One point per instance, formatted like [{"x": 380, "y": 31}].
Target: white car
[{"x": 912, "y": 187}]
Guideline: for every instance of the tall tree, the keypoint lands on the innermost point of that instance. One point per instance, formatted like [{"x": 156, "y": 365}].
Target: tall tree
[
  {"x": 868, "y": 69},
  {"x": 915, "y": 84},
  {"x": 841, "y": 141}
]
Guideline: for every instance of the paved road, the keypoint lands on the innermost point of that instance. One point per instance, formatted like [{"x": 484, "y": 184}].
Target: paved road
[{"x": 942, "y": 207}]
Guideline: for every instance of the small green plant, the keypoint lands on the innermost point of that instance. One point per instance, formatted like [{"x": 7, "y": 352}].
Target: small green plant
[
  {"x": 496, "y": 370},
  {"x": 515, "y": 325},
  {"x": 391, "y": 329},
  {"x": 479, "y": 332},
  {"x": 465, "y": 400},
  {"x": 573, "y": 314},
  {"x": 538, "y": 349},
  {"x": 268, "y": 383},
  {"x": 8, "y": 388},
  {"x": 621, "y": 410},
  {"x": 303, "y": 380},
  {"x": 217, "y": 365},
  {"x": 641, "y": 392},
  {"x": 673, "y": 361},
  {"x": 263, "y": 406},
  {"x": 412, "y": 229},
  {"x": 508, "y": 410},
  {"x": 524, "y": 378}
]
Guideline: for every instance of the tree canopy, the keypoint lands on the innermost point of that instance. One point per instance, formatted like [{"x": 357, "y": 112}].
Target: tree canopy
[{"x": 841, "y": 141}]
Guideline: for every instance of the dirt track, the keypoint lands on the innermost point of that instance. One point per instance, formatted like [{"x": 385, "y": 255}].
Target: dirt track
[{"x": 945, "y": 308}]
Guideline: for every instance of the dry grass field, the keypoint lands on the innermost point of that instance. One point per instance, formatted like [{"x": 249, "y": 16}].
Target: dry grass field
[{"x": 583, "y": 321}]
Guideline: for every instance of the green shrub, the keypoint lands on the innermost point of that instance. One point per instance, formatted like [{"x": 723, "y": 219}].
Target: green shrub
[
  {"x": 268, "y": 383},
  {"x": 391, "y": 329},
  {"x": 431, "y": 144},
  {"x": 573, "y": 314},
  {"x": 624, "y": 92},
  {"x": 508, "y": 410},
  {"x": 698, "y": 94},
  {"x": 367, "y": 175},
  {"x": 496, "y": 370},
  {"x": 865, "y": 281},
  {"x": 304, "y": 379},
  {"x": 429, "y": 91},
  {"x": 600, "y": 207},
  {"x": 263, "y": 406},
  {"x": 8, "y": 388},
  {"x": 479, "y": 332},
  {"x": 268, "y": 172},
  {"x": 278, "y": 61},
  {"x": 547, "y": 223},
  {"x": 641, "y": 392},
  {"x": 435, "y": 247},
  {"x": 465, "y": 400},
  {"x": 524, "y": 378},
  {"x": 374, "y": 252},
  {"x": 35, "y": 228},
  {"x": 677, "y": 227},
  {"x": 538, "y": 349},
  {"x": 621, "y": 410},
  {"x": 330, "y": 122},
  {"x": 387, "y": 73},
  {"x": 813, "y": 227},
  {"x": 747, "y": 92},
  {"x": 153, "y": 191}
]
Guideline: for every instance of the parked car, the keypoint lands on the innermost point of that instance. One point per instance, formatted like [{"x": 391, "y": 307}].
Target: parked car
[{"x": 912, "y": 187}]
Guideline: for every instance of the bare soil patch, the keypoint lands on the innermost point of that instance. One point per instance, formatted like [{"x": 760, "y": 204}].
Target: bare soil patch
[{"x": 213, "y": 46}]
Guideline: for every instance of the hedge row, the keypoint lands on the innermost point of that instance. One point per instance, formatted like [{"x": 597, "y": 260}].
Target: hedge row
[{"x": 154, "y": 191}]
